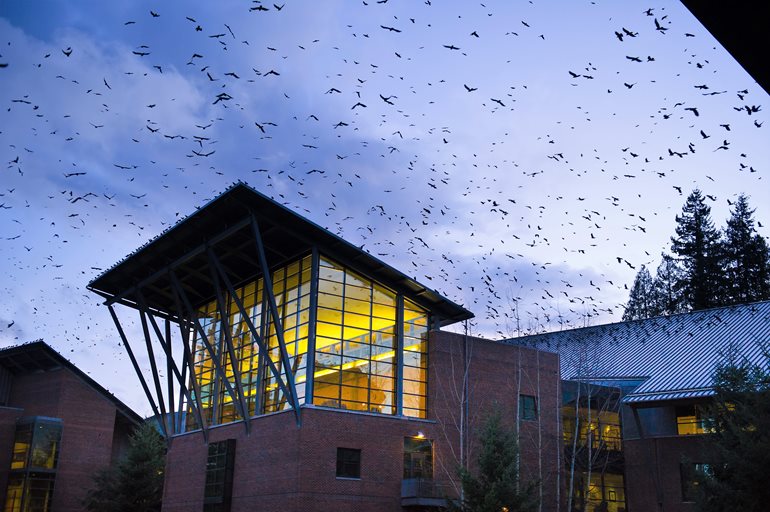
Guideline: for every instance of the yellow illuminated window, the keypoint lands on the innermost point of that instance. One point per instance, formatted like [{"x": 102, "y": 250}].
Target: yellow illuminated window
[
  {"x": 690, "y": 420},
  {"x": 355, "y": 333},
  {"x": 415, "y": 354},
  {"x": 291, "y": 288}
]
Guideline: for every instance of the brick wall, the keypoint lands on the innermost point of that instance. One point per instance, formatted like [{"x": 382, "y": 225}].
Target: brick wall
[
  {"x": 498, "y": 374},
  {"x": 87, "y": 418},
  {"x": 8, "y": 418},
  {"x": 652, "y": 471},
  {"x": 282, "y": 467}
]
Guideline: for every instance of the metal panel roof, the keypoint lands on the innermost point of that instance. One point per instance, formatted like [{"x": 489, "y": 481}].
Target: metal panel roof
[{"x": 675, "y": 355}]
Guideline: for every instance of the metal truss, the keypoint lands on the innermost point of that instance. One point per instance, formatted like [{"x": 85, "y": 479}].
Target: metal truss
[{"x": 181, "y": 374}]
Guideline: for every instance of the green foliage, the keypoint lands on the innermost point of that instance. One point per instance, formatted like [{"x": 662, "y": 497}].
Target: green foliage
[
  {"x": 667, "y": 290},
  {"x": 496, "y": 485},
  {"x": 698, "y": 246},
  {"x": 642, "y": 301},
  {"x": 747, "y": 265},
  {"x": 135, "y": 484},
  {"x": 708, "y": 268},
  {"x": 738, "y": 451}
]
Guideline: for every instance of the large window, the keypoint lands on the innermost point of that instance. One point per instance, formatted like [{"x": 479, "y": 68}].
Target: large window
[
  {"x": 355, "y": 365},
  {"x": 366, "y": 339},
  {"x": 220, "y": 463},
  {"x": 291, "y": 289},
  {"x": 415, "y": 353},
  {"x": 34, "y": 461}
]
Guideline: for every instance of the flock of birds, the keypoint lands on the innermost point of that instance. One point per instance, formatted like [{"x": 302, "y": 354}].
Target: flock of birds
[{"x": 433, "y": 149}]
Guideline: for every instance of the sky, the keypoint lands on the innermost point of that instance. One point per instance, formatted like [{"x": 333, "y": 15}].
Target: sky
[{"x": 523, "y": 158}]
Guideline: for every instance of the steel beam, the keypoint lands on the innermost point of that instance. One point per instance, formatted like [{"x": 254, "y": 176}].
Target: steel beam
[
  {"x": 400, "y": 354},
  {"x": 274, "y": 312},
  {"x": 315, "y": 262},
  {"x": 288, "y": 390},
  {"x": 196, "y": 324},
  {"x": 184, "y": 331},
  {"x": 169, "y": 363},
  {"x": 179, "y": 261},
  {"x": 223, "y": 313},
  {"x": 136, "y": 366},
  {"x": 173, "y": 369},
  {"x": 183, "y": 379},
  {"x": 154, "y": 370}
]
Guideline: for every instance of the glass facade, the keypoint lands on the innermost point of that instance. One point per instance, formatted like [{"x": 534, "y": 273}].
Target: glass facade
[
  {"x": 34, "y": 460},
  {"x": 593, "y": 446},
  {"x": 363, "y": 339}
]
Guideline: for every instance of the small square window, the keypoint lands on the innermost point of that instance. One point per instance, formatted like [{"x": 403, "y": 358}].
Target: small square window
[
  {"x": 348, "y": 463},
  {"x": 527, "y": 407}
]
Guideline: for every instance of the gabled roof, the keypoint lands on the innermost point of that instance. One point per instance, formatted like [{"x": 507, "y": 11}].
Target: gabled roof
[
  {"x": 673, "y": 355},
  {"x": 38, "y": 356},
  {"x": 224, "y": 224}
]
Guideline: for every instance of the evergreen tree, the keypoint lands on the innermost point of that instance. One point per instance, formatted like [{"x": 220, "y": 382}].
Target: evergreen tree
[
  {"x": 496, "y": 486},
  {"x": 667, "y": 286},
  {"x": 747, "y": 257},
  {"x": 738, "y": 451},
  {"x": 643, "y": 301},
  {"x": 135, "y": 484},
  {"x": 699, "y": 250}
]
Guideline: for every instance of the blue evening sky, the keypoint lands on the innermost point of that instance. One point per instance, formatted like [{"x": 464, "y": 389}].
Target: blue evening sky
[{"x": 517, "y": 156}]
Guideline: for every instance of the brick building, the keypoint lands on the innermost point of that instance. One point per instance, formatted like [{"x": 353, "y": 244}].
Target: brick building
[
  {"x": 638, "y": 391},
  {"x": 58, "y": 427},
  {"x": 313, "y": 376}
]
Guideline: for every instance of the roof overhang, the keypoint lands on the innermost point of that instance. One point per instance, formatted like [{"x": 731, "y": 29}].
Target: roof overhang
[
  {"x": 741, "y": 27},
  {"x": 225, "y": 225}
]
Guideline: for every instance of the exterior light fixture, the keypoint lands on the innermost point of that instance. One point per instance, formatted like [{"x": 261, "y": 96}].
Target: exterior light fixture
[{"x": 420, "y": 435}]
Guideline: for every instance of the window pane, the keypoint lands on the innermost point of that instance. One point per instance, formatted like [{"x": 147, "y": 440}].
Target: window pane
[
  {"x": 348, "y": 463},
  {"x": 418, "y": 458},
  {"x": 527, "y": 407}
]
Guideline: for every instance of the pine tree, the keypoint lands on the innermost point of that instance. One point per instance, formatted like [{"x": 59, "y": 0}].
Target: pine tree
[
  {"x": 738, "y": 445},
  {"x": 643, "y": 301},
  {"x": 747, "y": 257},
  {"x": 135, "y": 484},
  {"x": 698, "y": 248},
  {"x": 496, "y": 486},
  {"x": 667, "y": 286}
]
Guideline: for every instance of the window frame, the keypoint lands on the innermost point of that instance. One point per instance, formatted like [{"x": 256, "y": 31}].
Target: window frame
[
  {"x": 425, "y": 470},
  {"x": 523, "y": 409},
  {"x": 223, "y": 451},
  {"x": 344, "y": 462}
]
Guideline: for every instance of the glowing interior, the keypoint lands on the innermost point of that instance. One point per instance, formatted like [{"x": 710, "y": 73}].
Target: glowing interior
[{"x": 356, "y": 346}]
